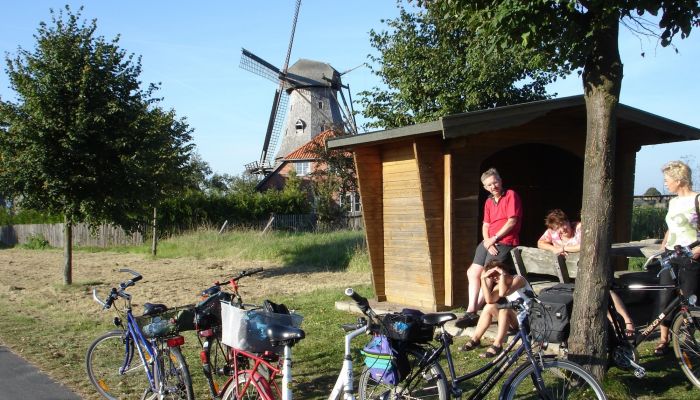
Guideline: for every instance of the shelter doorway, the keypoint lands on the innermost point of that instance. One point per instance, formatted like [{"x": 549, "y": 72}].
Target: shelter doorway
[{"x": 545, "y": 177}]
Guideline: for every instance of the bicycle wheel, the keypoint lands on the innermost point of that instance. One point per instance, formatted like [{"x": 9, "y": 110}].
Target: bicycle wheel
[
  {"x": 105, "y": 357},
  {"x": 428, "y": 384},
  {"x": 218, "y": 371},
  {"x": 176, "y": 382},
  {"x": 686, "y": 345},
  {"x": 562, "y": 379},
  {"x": 257, "y": 388}
]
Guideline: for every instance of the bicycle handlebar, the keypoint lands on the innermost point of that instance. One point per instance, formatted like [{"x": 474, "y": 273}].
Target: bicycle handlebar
[
  {"x": 511, "y": 305},
  {"x": 362, "y": 303},
  {"x": 666, "y": 256},
  {"x": 114, "y": 293}
]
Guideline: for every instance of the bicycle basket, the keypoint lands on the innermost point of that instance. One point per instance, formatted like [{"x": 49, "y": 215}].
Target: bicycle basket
[
  {"x": 407, "y": 326},
  {"x": 384, "y": 363},
  {"x": 168, "y": 323},
  {"x": 247, "y": 329}
]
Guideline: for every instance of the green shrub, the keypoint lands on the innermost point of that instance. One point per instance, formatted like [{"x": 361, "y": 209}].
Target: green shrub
[
  {"x": 648, "y": 222},
  {"x": 36, "y": 242}
]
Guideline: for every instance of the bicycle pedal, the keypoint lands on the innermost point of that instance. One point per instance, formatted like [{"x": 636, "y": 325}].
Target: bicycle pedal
[{"x": 640, "y": 372}]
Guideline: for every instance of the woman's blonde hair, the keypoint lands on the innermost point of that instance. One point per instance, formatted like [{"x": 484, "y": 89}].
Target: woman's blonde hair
[{"x": 679, "y": 171}]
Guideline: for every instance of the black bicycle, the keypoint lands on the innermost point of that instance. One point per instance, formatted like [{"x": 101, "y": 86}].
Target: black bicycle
[
  {"x": 685, "y": 328},
  {"x": 539, "y": 377}
]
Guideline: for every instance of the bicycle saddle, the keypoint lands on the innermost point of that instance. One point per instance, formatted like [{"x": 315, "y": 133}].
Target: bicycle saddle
[
  {"x": 280, "y": 333},
  {"x": 153, "y": 309},
  {"x": 437, "y": 319}
]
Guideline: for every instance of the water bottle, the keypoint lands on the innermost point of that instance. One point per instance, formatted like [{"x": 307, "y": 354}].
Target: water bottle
[{"x": 157, "y": 327}]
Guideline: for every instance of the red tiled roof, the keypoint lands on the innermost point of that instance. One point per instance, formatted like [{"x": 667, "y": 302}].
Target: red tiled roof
[{"x": 306, "y": 152}]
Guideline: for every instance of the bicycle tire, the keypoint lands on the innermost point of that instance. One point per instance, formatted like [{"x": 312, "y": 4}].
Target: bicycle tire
[
  {"x": 105, "y": 357},
  {"x": 262, "y": 390},
  {"x": 432, "y": 384},
  {"x": 686, "y": 345},
  {"x": 218, "y": 356},
  {"x": 576, "y": 382}
]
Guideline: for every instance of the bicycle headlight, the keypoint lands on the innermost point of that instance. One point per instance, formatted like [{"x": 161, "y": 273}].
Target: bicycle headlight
[{"x": 692, "y": 299}]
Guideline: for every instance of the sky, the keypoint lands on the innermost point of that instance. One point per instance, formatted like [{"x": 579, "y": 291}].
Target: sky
[{"x": 193, "y": 50}]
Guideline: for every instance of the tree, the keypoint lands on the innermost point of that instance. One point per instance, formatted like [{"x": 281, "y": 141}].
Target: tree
[
  {"x": 83, "y": 140},
  {"x": 569, "y": 35},
  {"x": 426, "y": 63},
  {"x": 333, "y": 179},
  {"x": 652, "y": 191}
]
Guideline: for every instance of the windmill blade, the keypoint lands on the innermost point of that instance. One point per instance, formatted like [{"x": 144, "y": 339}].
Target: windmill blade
[
  {"x": 348, "y": 113},
  {"x": 274, "y": 127},
  {"x": 252, "y": 63},
  {"x": 291, "y": 37}
]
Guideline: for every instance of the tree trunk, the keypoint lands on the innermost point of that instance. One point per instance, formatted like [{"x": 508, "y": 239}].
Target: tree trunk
[
  {"x": 602, "y": 79},
  {"x": 67, "y": 251},
  {"x": 154, "y": 242}
]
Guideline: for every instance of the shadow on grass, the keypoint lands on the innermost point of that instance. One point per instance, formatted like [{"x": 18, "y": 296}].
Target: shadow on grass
[{"x": 662, "y": 373}]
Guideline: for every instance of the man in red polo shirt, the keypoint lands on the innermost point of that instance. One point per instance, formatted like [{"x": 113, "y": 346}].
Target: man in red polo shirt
[{"x": 503, "y": 214}]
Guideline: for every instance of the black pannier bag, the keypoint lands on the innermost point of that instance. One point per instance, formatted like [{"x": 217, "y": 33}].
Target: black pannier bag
[
  {"x": 208, "y": 311},
  {"x": 549, "y": 321}
]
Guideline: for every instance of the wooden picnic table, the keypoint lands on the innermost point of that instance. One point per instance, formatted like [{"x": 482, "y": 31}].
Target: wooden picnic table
[{"x": 643, "y": 248}]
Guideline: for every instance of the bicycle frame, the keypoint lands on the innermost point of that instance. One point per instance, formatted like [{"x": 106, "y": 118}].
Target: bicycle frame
[{"x": 499, "y": 366}]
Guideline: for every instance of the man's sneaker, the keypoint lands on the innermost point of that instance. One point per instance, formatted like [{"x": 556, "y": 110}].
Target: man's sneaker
[{"x": 467, "y": 320}]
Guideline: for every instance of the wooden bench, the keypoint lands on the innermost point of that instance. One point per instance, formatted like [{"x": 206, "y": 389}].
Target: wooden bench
[{"x": 543, "y": 268}]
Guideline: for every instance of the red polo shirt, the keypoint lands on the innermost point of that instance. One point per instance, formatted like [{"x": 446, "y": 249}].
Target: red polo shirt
[{"x": 496, "y": 215}]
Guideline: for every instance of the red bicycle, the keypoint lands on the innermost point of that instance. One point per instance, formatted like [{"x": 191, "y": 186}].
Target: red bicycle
[{"x": 247, "y": 369}]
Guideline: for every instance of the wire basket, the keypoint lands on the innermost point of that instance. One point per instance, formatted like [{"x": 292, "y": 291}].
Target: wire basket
[
  {"x": 406, "y": 327},
  {"x": 247, "y": 329},
  {"x": 168, "y": 323}
]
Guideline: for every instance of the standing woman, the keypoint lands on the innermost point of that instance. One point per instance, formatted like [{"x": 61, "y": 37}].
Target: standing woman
[{"x": 682, "y": 222}]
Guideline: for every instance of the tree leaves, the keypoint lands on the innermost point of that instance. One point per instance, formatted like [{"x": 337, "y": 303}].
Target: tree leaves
[{"x": 84, "y": 139}]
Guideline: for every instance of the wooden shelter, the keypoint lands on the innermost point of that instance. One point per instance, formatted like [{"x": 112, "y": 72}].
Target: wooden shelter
[{"x": 423, "y": 201}]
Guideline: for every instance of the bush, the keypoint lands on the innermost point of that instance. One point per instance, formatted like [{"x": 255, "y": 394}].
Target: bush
[
  {"x": 648, "y": 222},
  {"x": 36, "y": 242}
]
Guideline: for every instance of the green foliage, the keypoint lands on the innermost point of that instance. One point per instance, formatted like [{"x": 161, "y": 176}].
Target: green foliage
[
  {"x": 332, "y": 179},
  {"x": 84, "y": 140},
  {"x": 27, "y": 217},
  {"x": 652, "y": 191},
  {"x": 432, "y": 66},
  {"x": 196, "y": 208},
  {"x": 648, "y": 222},
  {"x": 36, "y": 242}
]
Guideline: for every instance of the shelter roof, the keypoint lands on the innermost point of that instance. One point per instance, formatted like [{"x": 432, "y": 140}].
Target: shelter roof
[{"x": 647, "y": 128}]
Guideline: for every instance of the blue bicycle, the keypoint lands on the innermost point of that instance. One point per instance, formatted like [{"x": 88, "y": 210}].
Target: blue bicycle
[{"x": 158, "y": 371}]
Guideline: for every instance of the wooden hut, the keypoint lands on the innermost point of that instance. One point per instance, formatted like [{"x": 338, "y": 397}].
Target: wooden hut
[{"x": 423, "y": 201}]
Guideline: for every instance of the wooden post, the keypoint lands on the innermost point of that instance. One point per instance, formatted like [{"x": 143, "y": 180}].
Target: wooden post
[
  {"x": 67, "y": 251},
  {"x": 154, "y": 242}
]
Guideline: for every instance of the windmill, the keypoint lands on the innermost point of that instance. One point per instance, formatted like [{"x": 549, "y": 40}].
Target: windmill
[{"x": 310, "y": 90}]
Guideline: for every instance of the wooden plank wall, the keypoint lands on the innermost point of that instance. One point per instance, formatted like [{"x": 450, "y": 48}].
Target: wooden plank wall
[
  {"x": 407, "y": 263},
  {"x": 429, "y": 157},
  {"x": 368, "y": 165}
]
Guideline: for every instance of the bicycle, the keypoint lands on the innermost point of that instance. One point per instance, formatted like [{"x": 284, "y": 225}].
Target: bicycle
[
  {"x": 259, "y": 378},
  {"x": 685, "y": 328},
  {"x": 159, "y": 372},
  {"x": 219, "y": 362},
  {"x": 541, "y": 376}
]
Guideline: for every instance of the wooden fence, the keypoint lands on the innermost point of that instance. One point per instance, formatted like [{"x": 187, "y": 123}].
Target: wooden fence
[{"x": 103, "y": 236}]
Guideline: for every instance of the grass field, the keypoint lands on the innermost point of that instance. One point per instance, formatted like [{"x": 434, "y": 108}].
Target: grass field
[{"x": 52, "y": 325}]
